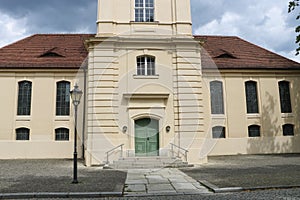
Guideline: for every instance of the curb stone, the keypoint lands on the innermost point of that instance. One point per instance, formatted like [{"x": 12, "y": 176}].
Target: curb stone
[
  {"x": 216, "y": 189},
  {"x": 59, "y": 195}
]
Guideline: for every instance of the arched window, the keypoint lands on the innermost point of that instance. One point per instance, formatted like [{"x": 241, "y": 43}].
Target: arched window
[
  {"x": 288, "y": 129},
  {"x": 216, "y": 97},
  {"x": 144, "y": 10},
  {"x": 62, "y": 98},
  {"x": 24, "y": 98},
  {"x": 145, "y": 65},
  {"x": 254, "y": 131},
  {"x": 218, "y": 132},
  {"x": 61, "y": 134},
  {"x": 285, "y": 98},
  {"x": 22, "y": 134},
  {"x": 251, "y": 97}
]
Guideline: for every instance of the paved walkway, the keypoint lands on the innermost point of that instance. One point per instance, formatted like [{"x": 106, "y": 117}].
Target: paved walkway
[{"x": 161, "y": 181}]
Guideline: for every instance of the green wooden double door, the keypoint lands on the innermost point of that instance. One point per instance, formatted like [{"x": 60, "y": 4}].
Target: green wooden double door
[{"x": 146, "y": 137}]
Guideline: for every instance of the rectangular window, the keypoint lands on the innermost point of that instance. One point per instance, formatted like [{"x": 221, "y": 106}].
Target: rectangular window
[
  {"x": 251, "y": 97},
  {"x": 254, "y": 131},
  {"x": 62, "y": 134},
  {"x": 285, "y": 98},
  {"x": 144, "y": 10},
  {"x": 288, "y": 130},
  {"x": 216, "y": 97},
  {"x": 145, "y": 66},
  {"x": 22, "y": 134},
  {"x": 63, "y": 98},
  {"x": 24, "y": 98},
  {"x": 218, "y": 132}
]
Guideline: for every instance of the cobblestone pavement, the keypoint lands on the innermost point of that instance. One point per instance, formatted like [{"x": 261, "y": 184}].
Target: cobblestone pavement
[
  {"x": 283, "y": 194},
  {"x": 161, "y": 181},
  {"x": 250, "y": 171},
  {"x": 36, "y": 176}
]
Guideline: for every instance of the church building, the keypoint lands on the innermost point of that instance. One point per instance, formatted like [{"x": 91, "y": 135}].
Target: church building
[{"x": 150, "y": 89}]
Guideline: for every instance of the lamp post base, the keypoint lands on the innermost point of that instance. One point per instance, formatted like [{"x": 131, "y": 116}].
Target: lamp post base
[{"x": 75, "y": 181}]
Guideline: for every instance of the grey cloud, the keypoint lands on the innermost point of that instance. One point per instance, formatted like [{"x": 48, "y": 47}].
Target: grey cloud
[
  {"x": 53, "y": 16},
  {"x": 64, "y": 16}
]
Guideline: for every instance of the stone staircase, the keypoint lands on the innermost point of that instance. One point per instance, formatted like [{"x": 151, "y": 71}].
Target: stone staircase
[{"x": 147, "y": 163}]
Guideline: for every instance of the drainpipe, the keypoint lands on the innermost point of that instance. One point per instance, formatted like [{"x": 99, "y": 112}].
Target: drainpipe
[{"x": 84, "y": 107}]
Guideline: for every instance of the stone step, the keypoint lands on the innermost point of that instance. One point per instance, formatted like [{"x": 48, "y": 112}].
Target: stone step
[{"x": 147, "y": 163}]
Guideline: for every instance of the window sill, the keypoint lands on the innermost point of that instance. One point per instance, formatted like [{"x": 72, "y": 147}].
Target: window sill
[
  {"x": 23, "y": 118},
  {"x": 218, "y": 116},
  {"x": 145, "y": 77},
  {"x": 135, "y": 22},
  {"x": 62, "y": 118},
  {"x": 253, "y": 116},
  {"x": 287, "y": 115}
]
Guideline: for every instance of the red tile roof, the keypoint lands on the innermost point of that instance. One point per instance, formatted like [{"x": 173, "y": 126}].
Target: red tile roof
[
  {"x": 225, "y": 52},
  {"x": 67, "y": 51},
  {"x": 46, "y": 51}
]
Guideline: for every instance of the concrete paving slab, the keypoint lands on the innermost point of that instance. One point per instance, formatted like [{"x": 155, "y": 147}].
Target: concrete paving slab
[
  {"x": 159, "y": 187},
  {"x": 184, "y": 186},
  {"x": 163, "y": 181},
  {"x": 136, "y": 182},
  {"x": 155, "y": 179},
  {"x": 178, "y": 180},
  {"x": 135, "y": 188}
]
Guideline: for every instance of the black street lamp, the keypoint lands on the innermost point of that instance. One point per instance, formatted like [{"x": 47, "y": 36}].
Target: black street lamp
[{"x": 76, "y": 94}]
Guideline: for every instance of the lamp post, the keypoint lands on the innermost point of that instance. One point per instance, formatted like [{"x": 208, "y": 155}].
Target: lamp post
[{"x": 76, "y": 94}]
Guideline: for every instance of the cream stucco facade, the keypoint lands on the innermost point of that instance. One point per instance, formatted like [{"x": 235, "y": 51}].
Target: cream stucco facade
[
  {"x": 236, "y": 120},
  {"x": 118, "y": 96},
  {"x": 42, "y": 120},
  {"x": 138, "y": 71}
]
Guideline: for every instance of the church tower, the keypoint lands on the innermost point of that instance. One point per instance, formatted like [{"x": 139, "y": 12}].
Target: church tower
[
  {"x": 144, "y": 82},
  {"x": 144, "y": 17}
]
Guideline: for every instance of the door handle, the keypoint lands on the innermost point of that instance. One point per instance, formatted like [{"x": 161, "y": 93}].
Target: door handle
[{"x": 148, "y": 138}]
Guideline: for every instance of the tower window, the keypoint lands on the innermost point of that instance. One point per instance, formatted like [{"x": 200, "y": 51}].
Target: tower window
[
  {"x": 145, "y": 65},
  {"x": 144, "y": 10}
]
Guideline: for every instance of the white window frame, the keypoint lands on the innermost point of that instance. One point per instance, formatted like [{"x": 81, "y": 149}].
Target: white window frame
[
  {"x": 145, "y": 68},
  {"x": 144, "y": 9}
]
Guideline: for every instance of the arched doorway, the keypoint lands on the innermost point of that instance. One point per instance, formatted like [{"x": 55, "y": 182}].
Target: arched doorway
[{"x": 146, "y": 137}]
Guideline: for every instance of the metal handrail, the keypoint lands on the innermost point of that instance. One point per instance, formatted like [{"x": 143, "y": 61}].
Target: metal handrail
[
  {"x": 112, "y": 150},
  {"x": 179, "y": 148}
]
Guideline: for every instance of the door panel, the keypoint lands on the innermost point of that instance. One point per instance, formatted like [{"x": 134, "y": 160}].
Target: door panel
[{"x": 146, "y": 137}]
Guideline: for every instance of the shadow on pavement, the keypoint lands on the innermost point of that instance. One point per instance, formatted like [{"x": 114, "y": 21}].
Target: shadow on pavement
[{"x": 254, "y": 171}]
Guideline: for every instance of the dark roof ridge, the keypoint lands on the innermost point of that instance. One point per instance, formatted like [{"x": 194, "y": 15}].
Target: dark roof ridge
[{"x": 46, "y": 34}]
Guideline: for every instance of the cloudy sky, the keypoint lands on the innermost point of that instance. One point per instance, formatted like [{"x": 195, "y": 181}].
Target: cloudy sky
[{"x": 263, "y": 22}]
